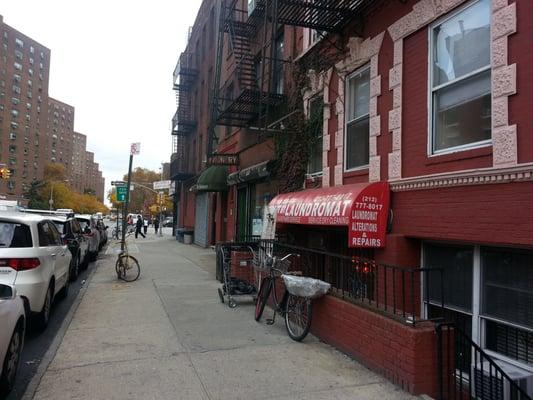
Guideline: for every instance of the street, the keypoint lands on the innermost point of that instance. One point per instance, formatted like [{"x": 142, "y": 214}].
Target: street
[{"x": 168, "y": 336}]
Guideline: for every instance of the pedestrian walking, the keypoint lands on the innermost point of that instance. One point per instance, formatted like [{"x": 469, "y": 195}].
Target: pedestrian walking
[
  {"x": 156, "y": 224},
  {"x": 138, "y": 227},
  {"x": 145, "y": 225}
]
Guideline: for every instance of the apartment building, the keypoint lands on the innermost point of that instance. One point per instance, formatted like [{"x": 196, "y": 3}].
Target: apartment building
[
  {"x": 79, "y": 148},
  {"x": 415, "y": 200},
  {"x": 24, "y": 75},
  {"x": 60, "y": 131}
]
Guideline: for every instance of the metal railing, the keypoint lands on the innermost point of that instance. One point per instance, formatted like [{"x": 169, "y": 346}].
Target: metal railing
[
  {"x": 465, "y": 371},
  {"x": 391, "y": 290}
]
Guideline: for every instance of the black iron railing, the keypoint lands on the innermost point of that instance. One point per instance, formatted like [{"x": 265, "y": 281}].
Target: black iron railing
[
  {"x": 392, "y": 290},
  {"x": 465, "y": 371}
]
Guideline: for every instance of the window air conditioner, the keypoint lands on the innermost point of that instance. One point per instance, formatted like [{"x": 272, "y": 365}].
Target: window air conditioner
[{"x": 483, "y": 380}]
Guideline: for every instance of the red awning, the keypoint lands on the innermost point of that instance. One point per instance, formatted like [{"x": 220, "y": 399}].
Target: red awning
[{"x": 363, "y": 208}]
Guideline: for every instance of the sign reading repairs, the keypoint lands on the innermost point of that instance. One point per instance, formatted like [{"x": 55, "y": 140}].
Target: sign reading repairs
[{"x": 363, "y": 208}]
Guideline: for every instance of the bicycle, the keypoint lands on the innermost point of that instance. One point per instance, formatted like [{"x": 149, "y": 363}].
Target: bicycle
[
  {"x": 127, "y": 267},
  {"x": 296, "y": 310}
]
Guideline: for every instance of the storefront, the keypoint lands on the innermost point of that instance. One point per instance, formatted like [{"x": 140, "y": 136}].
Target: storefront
[{"x": 254, "y": 190}]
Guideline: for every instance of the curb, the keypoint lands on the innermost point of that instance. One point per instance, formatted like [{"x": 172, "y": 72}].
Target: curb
[{"x": 48, "y": 357}]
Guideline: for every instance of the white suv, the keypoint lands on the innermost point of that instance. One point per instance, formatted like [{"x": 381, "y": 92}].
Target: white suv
[{"x": 34, "y": 260}]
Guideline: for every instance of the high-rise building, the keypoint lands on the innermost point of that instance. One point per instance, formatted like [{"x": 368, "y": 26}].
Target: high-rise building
[
  {"x": 24, "y": 75},
  {"x": 79, "y": 146},
  {"x": 59, "y": 133}
]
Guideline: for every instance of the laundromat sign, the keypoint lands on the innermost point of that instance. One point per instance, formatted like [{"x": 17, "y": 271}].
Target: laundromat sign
[{"x": 364, "y": 208}]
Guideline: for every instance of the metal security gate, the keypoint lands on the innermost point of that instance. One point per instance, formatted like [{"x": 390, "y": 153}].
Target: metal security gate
[{"x": 201, "y": 218}]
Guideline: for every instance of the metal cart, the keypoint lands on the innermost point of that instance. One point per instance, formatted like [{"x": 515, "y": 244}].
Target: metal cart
[{"x": 232, "y": 286}]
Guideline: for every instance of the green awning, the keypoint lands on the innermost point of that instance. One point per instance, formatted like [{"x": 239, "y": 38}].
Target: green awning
[{"x": 213, "y": 179}]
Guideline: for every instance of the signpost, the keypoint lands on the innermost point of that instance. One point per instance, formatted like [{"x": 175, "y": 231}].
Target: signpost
[{"x": 135, "y": 149}]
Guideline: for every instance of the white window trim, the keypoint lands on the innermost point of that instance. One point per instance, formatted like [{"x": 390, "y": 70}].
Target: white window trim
[
  {"x": 346, "y": 122},
  {"x": 431, "y": 90}
]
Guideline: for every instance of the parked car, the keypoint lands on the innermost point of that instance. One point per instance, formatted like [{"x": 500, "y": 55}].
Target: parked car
[
  {"x": 13, "y": 320},
  {"x": 78, "y": 244},
  {"x": 102, "y": 228},
  {"x": 91, "y": 232},
  {"x": 168, "y": 221},
  {"x": 34, "y": 260}
]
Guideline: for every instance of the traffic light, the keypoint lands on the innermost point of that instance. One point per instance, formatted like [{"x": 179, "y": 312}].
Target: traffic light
[{"x": 5, "y": 173}]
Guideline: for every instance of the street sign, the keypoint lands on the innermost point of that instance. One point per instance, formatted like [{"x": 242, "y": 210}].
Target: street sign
[
  {"x": 118, "y": 183},
  {"x": 159, "y": 185},
  {"x": 135, "y": 149},
  {"x": 121, "y": 193},
  {"x": 223, "y": 159}
]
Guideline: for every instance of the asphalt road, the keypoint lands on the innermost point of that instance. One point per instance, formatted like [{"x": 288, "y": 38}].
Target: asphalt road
[{"x": 36, "y": 344}]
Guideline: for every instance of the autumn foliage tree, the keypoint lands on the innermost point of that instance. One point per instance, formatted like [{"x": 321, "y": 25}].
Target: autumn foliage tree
[{"x": 55, "y": 186}]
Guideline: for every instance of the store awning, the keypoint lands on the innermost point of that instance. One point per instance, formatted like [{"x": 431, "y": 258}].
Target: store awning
[
  {"x": 252, "y": 173},
  {"x": 363, "y": 208},
  {"x": 213, "y": 179}
]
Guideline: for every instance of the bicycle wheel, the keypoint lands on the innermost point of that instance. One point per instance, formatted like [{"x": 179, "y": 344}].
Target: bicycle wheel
[
  {"x": 127, "y": 268},
  {"x": 298, "y": 314},
  {"x": 262, "y": 297}
]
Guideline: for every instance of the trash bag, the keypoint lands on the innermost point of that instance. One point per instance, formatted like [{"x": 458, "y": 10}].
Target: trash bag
[{"x": 303, "y": 286}]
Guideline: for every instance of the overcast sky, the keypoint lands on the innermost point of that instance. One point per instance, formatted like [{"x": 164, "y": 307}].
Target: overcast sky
[{"x": 113, "y": 61}]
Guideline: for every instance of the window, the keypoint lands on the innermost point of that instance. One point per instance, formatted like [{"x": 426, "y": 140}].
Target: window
[
  {"x": 17, "y": 66},
  {"x": 19, "y": 43},
  {"x": 32, "y": 49},
  {"x": 488, "y": 292},
  {"x": 14, "y": 235},
  {"x": 18, "y": 54},
  {"x": 357, "y": 119},
  {"x": 278, "y": 65},
  {"x": 460, "y": 89},
  {"x": 315, "y": 126}
]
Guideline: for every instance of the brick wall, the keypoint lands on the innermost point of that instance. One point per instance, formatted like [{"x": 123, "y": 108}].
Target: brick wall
[{"x": 405, "y": 355}]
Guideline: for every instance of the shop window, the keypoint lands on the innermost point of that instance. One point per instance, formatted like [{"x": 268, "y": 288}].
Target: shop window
[
  {"x": 315, "y": 130},
  {"x": 460, "y": 89},
  {"x": 357, "y": 119}
]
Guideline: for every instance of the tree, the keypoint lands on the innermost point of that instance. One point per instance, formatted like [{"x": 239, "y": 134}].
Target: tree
[
  {"x": 54, "y": 172},
  {"x": 141, "y": 198},
  {"x": 35, "y": 197}
]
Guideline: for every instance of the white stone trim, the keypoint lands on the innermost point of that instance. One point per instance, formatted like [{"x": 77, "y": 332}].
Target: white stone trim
[
  {"x": 519, "y": 173},
  {"x": 503, "y": 24}
]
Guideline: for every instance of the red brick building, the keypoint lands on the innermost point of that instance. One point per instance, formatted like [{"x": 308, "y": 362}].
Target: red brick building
[{"x": 429, "y": 99}]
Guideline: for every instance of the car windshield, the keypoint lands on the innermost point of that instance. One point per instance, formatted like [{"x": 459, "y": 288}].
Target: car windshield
[{"x": 14, "y": 235}]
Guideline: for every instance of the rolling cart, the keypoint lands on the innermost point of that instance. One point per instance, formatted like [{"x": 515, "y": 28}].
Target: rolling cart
[{"x": 233, "y": 286}]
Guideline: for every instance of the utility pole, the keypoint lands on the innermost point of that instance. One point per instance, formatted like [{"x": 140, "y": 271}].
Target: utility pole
[{"x": 134, "y": 149}]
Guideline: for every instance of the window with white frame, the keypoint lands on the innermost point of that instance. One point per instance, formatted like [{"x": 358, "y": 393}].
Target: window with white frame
[
  {"x": 460, "y": 79},
  {"x": 488, "y": 292},
  {"x": 357, "y": 119}
]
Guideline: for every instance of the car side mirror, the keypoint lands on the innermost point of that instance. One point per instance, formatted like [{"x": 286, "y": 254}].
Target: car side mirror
[{"x": 7, "y": 292}]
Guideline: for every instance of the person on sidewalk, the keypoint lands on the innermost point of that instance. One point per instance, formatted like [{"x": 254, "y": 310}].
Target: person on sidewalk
[
  {"x": 145, "y": 225},
  {"x": 138, "y": 227},
  {"x": 156, "y": 224}
]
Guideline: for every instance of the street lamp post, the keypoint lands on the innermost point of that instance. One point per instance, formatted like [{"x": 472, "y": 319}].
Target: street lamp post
[{"x": 51, "y": 200}]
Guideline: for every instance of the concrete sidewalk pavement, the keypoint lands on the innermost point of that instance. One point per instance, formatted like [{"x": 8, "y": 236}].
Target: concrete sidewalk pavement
[{"x": 167, "y": 336}]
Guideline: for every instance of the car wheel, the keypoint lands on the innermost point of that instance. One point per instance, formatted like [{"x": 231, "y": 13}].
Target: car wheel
[
  {"x": 44, "y": 316},
  {"x": 11, "y": 361},
  {"x": 75, "y": 268}
]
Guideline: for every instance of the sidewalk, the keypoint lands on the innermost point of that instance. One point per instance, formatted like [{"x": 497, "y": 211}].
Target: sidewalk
[{"x": 167, "y": 336}]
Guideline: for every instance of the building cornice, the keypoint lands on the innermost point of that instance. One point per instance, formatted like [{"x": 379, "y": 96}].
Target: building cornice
[{"x": 482, "y": 176}]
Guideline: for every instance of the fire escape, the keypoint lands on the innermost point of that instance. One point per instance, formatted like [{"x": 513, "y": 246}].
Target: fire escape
[
  {"x": 184, "y": 120},
  {"x": 251, "y": 95}
]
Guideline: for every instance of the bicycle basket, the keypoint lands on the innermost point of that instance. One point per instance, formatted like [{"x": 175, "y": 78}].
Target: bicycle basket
[{"x": 303, "y": 286}]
